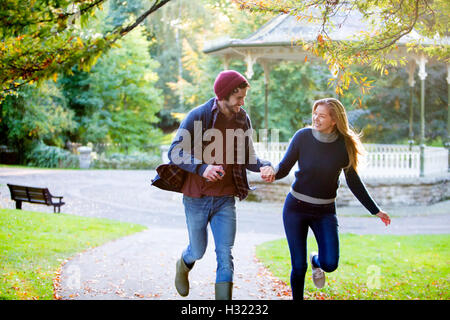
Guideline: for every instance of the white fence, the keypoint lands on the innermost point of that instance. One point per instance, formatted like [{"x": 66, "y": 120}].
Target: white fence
[{"x": 381, "y": 160}]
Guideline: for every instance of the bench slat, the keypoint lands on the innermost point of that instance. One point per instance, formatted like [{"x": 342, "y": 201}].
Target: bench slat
[
  {"x": 38, "y": 201},
  {"x": 19, "y": 187},
  {"x": 19, "y": 191},
  {"x": 37, "y": 190},
  {"x": 39, "y": 195}
]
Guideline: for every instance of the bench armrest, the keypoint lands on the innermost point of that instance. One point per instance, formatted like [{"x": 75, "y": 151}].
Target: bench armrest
[{"x": 60, "y": 198}]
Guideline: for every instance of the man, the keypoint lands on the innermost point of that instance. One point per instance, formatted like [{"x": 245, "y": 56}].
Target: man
[{"x": 210, "y": 178}]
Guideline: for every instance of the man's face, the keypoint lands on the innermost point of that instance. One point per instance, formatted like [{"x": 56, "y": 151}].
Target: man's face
[{"x": 236, "y": 100}]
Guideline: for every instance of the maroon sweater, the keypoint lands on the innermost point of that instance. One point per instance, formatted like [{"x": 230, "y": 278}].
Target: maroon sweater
[{"x": 196, "y": 186}]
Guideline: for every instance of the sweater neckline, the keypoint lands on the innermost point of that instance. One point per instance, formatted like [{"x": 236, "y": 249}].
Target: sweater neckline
[{"x": 325, "y": 137}]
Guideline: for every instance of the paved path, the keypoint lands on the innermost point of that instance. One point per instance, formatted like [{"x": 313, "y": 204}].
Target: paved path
[{"x": 141, "y": 266}]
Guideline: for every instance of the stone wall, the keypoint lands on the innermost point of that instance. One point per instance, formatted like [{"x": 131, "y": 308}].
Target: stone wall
[{"x": 386, "y": 192}]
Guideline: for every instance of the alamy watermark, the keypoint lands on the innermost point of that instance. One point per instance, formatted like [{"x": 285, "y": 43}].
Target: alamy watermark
[
  {"x": 73, "y": 277},
  {"x": 373, "y": 277},
  {"x": 189, "y": 147}
]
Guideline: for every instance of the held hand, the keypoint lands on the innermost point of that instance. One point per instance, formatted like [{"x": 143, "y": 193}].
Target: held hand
[
  {"x": 267, "y": 173},
  {"x": 384, "y": 217},
  {"x": 213, "y": 173}
]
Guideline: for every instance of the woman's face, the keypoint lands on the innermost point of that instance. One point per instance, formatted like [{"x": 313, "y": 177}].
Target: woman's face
[{"x": 322, "y": 120}]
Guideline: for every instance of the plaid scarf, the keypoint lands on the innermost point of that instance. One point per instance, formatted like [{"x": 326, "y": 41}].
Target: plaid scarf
[
  {"x": 239, "y": 173},
  {"x": 172, "y": 177}
]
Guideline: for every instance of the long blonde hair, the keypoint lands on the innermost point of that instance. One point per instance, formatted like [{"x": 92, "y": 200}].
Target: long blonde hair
[{"x": 355, "y": 149}]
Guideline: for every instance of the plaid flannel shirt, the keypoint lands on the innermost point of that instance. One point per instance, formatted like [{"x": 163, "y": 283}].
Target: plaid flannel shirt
[{"x": 171, "y": 177}]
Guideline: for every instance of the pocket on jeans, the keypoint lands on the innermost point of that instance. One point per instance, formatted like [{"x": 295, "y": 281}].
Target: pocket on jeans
[{"x": 230, "y": 201}]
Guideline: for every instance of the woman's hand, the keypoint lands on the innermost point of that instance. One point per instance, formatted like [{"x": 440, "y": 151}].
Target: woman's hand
[
  {"x": 384, "y": 217},
  {"x": 267, "y": 173}
]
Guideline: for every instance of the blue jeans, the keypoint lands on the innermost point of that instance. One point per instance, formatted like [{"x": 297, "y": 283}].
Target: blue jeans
[
  {"x": 298, "y": 216},
  {"x": 220, "y": 213}
]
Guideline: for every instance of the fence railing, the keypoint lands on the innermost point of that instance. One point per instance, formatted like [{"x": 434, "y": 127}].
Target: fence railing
[{"x": 381, "y": 160}]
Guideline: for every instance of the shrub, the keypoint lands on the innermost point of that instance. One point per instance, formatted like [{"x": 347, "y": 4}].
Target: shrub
[
  {"x": 123, "y": 161},
  {"x": 51, "y": 157}
]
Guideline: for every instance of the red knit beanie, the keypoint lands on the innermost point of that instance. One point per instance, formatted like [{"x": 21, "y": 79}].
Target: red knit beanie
[{"x": 226, "y": 82}]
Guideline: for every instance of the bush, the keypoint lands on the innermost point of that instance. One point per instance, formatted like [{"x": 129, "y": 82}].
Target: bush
[
  {"x": 51, "y": 157},
  {"x": 123, "y": 161}
]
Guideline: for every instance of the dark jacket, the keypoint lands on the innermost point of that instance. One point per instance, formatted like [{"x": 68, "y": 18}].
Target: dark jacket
[{"x": 171, "y": 176}]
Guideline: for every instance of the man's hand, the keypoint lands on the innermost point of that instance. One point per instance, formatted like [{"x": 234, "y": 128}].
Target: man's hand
[
  {"x": 213, "y": 173},
  {"x": 267, "y": 173}
]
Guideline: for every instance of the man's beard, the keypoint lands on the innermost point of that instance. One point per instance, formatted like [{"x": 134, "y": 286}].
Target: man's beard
[{"x": 231, "y": 109}]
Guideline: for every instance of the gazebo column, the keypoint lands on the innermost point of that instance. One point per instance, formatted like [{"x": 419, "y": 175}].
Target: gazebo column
[
  {"x": 422, "y": 75},
  {"x": 250, "y": 61},
  {"x": 266, "y": 66},
  {"x": 411, "y": 83}
]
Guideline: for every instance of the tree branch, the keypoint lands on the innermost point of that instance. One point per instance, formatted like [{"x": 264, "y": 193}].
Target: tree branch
[
  {"x": 158, "y": 4},
  {"x": 401, "y": 34},
  {"x": 82, "y": 11},
  {"x": 59, "y": 16},
  {"x": 28, "y": 74}
]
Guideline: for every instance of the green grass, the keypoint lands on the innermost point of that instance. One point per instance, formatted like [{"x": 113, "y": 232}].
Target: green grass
[
  {"x": 374, "y": 267},
  {"x": 21, "y": 166},
  {"x": 33, "y": 245}
]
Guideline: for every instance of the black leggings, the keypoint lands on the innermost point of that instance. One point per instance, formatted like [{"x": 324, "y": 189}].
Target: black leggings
[{"x": 297, "y": 217}]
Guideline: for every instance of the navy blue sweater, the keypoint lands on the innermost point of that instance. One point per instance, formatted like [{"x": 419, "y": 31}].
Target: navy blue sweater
[{"x": 319, "y": 167}]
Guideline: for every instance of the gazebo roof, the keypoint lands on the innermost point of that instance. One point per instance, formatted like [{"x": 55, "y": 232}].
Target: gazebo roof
[{"x": 276, "y": 40}]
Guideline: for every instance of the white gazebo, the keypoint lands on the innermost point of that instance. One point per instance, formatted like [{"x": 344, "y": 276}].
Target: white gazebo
[{"x": 277, "y": 41}]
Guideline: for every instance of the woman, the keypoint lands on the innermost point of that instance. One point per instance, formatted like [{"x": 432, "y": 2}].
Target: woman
[{"x": 322, "y": 151}]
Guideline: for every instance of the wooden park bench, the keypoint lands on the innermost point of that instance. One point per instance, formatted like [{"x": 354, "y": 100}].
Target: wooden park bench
[{"x": 34, "y": 195}]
